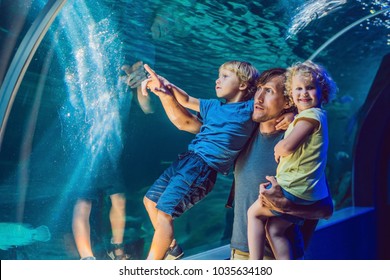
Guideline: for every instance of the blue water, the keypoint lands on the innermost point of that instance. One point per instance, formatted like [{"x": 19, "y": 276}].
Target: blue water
[{"x": 85, "y": 116}]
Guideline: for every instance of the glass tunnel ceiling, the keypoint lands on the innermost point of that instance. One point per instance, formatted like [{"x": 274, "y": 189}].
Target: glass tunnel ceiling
[{"x": 72, "y": 110}]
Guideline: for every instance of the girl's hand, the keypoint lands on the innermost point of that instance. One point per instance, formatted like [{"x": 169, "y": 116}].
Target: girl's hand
[{"x": 284, "y": 121}]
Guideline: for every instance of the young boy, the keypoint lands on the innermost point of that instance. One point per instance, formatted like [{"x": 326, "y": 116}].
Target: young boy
[{"x": 226, "y": 128}]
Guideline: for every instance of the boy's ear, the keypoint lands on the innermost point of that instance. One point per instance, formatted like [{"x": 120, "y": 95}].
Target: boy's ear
[{"x": 243, "y": 86}]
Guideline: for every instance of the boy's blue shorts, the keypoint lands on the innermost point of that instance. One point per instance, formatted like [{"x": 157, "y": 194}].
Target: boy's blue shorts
[{"x": 187, "y": 181}]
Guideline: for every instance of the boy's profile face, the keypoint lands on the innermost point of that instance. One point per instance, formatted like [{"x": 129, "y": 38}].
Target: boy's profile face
[
  {"x": 269, "y": 100},
  {"x": 228, "y": 85}
]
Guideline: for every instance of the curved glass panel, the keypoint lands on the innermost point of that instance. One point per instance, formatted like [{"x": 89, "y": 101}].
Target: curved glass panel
[
  {"x": 75, "y": 124},
  {"x": 16, "y": 19}
]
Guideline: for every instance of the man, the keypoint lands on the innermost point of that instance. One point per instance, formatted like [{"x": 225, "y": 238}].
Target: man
[{"x": 255, "y": 162}]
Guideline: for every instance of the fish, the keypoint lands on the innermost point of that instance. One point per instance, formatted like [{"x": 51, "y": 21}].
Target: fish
[{"x": 18, "y": 234}]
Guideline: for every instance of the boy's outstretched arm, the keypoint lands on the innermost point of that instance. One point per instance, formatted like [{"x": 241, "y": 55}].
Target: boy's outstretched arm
[
  {"x": 274, "y": 199},
  {"x": 176, "y": 113},
  {"x": 181, "y": 96},
  {"x": 180, "y": 116}
]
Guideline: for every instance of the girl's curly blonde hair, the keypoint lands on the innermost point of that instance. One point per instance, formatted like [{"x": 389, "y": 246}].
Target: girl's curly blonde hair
[{"x": 313, "y": 72}]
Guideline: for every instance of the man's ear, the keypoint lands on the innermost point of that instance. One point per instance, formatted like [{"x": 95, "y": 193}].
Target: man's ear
[{"x": 287, "y": 105}]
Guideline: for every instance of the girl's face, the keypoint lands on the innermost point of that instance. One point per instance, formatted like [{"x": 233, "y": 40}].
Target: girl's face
[
  {"x": 227, "y": 85},
  {"x": 306, "y": 93}
]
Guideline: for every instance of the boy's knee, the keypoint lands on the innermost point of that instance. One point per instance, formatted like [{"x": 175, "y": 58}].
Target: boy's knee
[{"x": 164, "y": 218}]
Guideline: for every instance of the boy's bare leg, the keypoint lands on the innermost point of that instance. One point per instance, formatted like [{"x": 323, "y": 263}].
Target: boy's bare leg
[
  {"x": 281, "y": 247},
  {"x": 163, "y": 236},
  {"x": 118, "y": 220},
  {"x": 81, "y": 227},
  {"x": 150, "y": 207},
  {"x": 257, "y": 218}
]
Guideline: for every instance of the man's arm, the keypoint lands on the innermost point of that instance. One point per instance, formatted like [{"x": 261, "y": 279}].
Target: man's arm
[{"x": 274, "y": 199}]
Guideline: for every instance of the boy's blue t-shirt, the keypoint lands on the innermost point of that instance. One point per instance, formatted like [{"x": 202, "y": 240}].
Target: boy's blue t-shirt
[{"x": 226, "y": 129}]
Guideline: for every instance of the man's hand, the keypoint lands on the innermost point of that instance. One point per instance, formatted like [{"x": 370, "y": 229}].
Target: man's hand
[
  {"x": 273, "y": 197},
  {"x": 135, "y": 74}
]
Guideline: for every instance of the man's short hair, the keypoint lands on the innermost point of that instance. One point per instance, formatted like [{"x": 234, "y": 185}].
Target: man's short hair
[{"x": 268, "y": 75}]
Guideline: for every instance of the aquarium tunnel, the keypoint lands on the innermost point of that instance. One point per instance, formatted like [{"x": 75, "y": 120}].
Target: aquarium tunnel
[{"x": 67, "y": 112}]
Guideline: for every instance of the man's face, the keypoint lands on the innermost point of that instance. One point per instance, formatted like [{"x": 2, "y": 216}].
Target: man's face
[{"x": 269, "y": 100}]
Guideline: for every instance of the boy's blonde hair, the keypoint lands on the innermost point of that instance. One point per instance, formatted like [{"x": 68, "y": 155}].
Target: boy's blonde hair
[
  {"x": 313, "y": 72},
  {"x": 246, "y": 73}
]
